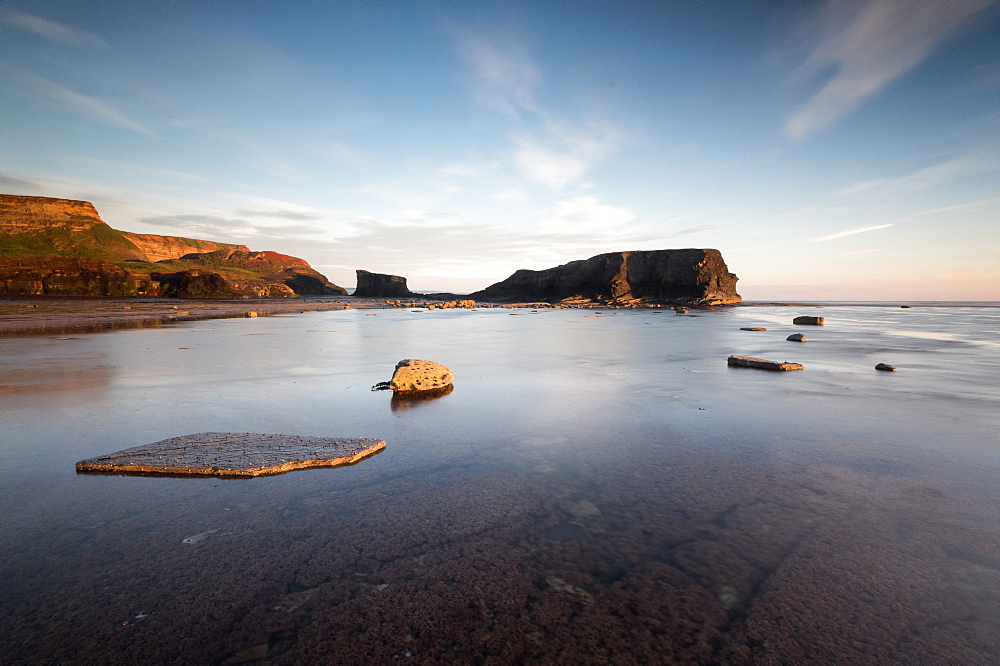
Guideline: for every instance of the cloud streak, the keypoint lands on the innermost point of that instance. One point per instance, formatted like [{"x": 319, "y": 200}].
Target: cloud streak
[
  {"x": 56, "y": 32},
  {"x": 95, "y": 108},
  {"x": 564, "y": 153},
  {"x": 503, "y": 77},
  {"x": 869, "y": 45},
  {"x": 849, "y": 232}
]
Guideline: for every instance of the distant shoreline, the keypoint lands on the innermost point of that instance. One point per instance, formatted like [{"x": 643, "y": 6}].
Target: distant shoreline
[{"x": 57, "y": 315}]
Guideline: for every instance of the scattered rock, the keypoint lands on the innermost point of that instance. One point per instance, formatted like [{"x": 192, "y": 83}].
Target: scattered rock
[
  {"x": 584, "y": 509},
  {"x": 415, "y": 375},
  {"x": 886, "y": 367},
  {"x": 232, "y": 454},
  {"x": 796, "y": 337},
  {"x": 755, "y": 328},
  {"x": 577, "y": 593},
  {"x": 191, "y": 540},
  {"x": 751, "y": 362},
  {"x": 251, "y": 313},
  {"x": 808, "y": 321}
]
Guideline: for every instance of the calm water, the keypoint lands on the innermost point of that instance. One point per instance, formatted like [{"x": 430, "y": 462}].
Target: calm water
[{"x": 597, "y": 488}]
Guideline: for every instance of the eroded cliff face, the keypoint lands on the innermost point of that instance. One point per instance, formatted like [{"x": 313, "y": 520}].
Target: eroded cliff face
[
  {"x": 70, "y": 276},
  {"x": 380, "y": 285},
  {"x": 162, "y": 248},
  {"x": 19, "y": 215},
  {"x": 690, "y": 276},
  {"x": 62, "y": 246},
  {"x": 45, "y": 226}
]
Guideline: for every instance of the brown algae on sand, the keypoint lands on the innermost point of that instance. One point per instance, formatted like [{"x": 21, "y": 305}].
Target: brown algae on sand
[{"x": 230, "y": 454}]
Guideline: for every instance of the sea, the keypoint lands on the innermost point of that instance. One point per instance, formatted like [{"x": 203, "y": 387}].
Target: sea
[{"x": 599, "y": 487}]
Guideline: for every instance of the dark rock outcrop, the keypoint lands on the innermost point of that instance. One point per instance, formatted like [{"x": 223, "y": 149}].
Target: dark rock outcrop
[
  {"x": 380, "y": 285},
  {"x": 62, "y": 246},
  {"x": 69, "y": 276},
  {"x": 691, "y": 276}
]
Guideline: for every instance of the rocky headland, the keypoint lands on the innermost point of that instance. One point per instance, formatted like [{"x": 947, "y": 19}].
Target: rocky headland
[
  {"x": 688, "y": 276},
  {"x": 62, "y": 247}
]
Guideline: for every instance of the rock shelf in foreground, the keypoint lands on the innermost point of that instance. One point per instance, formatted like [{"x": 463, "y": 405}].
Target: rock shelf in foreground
[{"x": 232, "y": 454}]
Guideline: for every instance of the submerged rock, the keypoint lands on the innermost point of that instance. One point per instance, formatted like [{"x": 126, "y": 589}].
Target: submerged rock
[
  {"x": 796, "y": 337},
  {"x": 886, "y": 367},
  {"x": 232, "y": 454},
  {"x": 415, "y": 375},
  {"x": 808, "y": 321}
]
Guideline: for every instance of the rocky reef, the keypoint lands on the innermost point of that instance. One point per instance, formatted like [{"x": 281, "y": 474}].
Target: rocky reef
[
  {"x": 63, "y": 247},
  {"x": 690, "y": 276},
  {"x": 380, "y": 285}
]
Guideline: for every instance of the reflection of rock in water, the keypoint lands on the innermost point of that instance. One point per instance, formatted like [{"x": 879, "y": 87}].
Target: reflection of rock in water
[{"x": 403, "y": 400}]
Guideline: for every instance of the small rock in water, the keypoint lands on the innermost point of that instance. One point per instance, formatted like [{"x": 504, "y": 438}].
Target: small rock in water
[
  {"x": 415, "y": 375},
  {"x": 191, "y": 540},
  {"x": 251, "y": 313},
  {"x": 577, "y": 593},
  {"x": 796, "y": 337},
  {"x": 886, "y": 367},
  {"x": 728, "y": 597},
  {"x": 809, "y": 321},
  {"x": 754, "y": 328},
  {"x": 753, "y": 362}
]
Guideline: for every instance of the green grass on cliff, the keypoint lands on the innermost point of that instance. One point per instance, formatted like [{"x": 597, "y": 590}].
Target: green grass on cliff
[
  {"x": 99, "y": 242},
  {"x": 176, "y": 266}
]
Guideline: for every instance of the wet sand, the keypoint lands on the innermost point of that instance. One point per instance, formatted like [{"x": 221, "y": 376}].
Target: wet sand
[
  {"x": 28, "y": 316},
  {"x": 594, "y": 490}
]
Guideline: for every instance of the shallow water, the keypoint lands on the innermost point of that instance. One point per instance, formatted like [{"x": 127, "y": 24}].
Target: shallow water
[{"x": 596, "y": 488}]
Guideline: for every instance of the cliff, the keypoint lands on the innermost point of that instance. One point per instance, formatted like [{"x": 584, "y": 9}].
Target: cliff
[
  {"x": 38, "y": 235},
  {"x": 380, "y": 285},
  {"x": 689, "y": 276},
  {"x": 37, "y": 226}
]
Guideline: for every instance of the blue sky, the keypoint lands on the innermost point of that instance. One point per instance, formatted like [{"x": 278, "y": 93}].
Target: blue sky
[{"x": 834, "y": 151}]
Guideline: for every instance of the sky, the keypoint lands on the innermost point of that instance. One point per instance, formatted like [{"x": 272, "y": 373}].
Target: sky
[{"x": 830, "y": 151}]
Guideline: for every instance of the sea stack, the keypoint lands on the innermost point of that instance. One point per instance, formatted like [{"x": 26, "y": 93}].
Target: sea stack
[
  {"x": 380, "y": 285},
  {"x": 689, "y": 276}
]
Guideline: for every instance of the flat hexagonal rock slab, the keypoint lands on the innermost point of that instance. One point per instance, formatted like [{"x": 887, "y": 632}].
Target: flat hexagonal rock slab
[{"x": 242, "y": 454}]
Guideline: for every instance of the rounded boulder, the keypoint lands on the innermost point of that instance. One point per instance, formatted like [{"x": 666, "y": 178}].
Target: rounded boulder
[{"x": 416, "y": 375}]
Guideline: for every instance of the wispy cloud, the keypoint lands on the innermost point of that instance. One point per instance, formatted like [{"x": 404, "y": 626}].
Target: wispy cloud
[
  {"x": 57, "y": 32},
  {"x": 562, "y": 153},
  {"x": 211, "y": 227},
  {"x": 94, "y": 108},
  {"x": 849, "y": 232},
  {"x": 584, "y": 214},
  {"x": 502, "y": 75},
  {"x": 918, "y": 180},
  {"x": 11, "y": 184},
  {"x": 969, "y": 204},
  {"x": 868, "y": 46}
]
